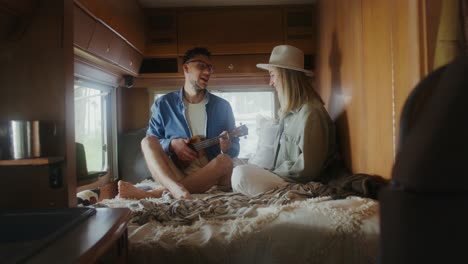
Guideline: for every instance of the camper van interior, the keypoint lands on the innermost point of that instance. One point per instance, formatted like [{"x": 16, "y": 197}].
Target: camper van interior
[{"x": 79, "y": 78}]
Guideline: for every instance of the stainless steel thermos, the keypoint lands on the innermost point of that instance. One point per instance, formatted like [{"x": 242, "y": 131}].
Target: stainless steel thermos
[{"x": 20, "y": 139}]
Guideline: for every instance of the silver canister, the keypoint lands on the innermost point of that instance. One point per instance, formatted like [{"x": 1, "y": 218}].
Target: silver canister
[
  {"x": 3, "y": 140},
  {"x": 20, "y": 137}
]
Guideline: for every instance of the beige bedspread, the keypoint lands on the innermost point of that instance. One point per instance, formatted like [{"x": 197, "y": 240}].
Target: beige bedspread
[{"x": 279, "y": 226}]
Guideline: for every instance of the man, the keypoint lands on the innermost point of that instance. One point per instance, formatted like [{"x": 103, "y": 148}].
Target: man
[{"x": 178, "y": 116}]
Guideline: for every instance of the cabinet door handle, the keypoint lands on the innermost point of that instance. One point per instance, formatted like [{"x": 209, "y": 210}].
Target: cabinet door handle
[
  {"x": 108, "y": 49},
  {"x": 131, "y": 63}
]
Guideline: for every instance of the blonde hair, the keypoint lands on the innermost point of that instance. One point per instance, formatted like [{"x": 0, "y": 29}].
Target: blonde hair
[{"x": 297, "y": 90}]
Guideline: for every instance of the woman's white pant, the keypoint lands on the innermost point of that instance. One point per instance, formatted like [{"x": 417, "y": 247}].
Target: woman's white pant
[{"x": 250, "y": 180}]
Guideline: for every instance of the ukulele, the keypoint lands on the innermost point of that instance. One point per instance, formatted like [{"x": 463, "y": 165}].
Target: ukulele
[{"x": 197, "y": 144}]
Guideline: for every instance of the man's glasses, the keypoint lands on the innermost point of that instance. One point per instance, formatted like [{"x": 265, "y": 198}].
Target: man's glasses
[{"x": 201, "y": 65}]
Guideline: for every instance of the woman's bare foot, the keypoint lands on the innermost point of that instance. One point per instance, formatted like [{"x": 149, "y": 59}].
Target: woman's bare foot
[{"x": 129, "y": 191}]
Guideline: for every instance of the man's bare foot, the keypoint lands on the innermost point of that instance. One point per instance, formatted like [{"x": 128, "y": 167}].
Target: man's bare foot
[
  {"x": 129, "y": 191},
  {"x": 178, "y": 191}
]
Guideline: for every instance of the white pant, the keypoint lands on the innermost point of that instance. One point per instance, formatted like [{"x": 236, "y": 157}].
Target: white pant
[{"x": 250, "y": 179}]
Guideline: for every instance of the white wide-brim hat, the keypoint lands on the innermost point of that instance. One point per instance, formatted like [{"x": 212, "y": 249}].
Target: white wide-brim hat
[{"x": 287, "y": 57}]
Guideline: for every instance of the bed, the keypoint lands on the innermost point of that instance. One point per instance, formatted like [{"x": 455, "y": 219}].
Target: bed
[
  {"x": 298, "y": 223},
  {"x": 286, "y": 225}
]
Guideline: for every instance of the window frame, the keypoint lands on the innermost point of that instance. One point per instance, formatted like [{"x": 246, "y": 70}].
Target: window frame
[{"x": 109, "y": 117}]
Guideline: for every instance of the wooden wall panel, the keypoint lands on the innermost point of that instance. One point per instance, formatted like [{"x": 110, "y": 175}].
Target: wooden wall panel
[
  {"x": 37, "y": 84},
  {"x": 370, "y": 57},
  {"x": 327, "y": 29},
  {"x": 32, "y": 71},
  {"x": 133, "y": 110},
  {"x": 408, "y": 59},
  {"x": 348, "y": 93},
  {"x": 377, "y": 83}
]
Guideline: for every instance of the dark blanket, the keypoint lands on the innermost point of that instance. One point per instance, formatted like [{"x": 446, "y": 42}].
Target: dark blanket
[{"x": 359, "y": 184}]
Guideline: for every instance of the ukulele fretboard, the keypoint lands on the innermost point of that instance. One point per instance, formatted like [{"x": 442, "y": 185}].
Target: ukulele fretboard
[
  {"x": 237, "y": 132},
  {"x": 206, "y": 143}
]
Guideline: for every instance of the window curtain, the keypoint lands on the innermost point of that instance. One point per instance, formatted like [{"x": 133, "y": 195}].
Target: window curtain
[{"x": 451, "y": 32}]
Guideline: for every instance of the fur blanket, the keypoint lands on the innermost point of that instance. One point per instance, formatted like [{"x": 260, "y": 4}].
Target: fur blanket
[{"x": 216, "y": 204}]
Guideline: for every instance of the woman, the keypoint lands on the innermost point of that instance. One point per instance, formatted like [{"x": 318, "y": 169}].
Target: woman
[{"x": 305, "y": 142}]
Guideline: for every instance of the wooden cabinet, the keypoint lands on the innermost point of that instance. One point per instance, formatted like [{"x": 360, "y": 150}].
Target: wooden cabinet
[
  {"x": 38, "y": 183},
  {"x": 84, "y": 26},
  {"x": 300, "y": 28},
  {"x": 123, "y": 16},
  {"x": 231, "y": 31},
  {"x": 98, "y": 238},
  {"x": 93, "y": 37},
  {"x": 162, "y": 34},
  {"x": 239, "y": 64},
  {"x": 224, "y": 31},
  {"x": 98, "y": 8},
  {"x": 128, "y": 19},
  {"x": 130, "y": 59},
  {"x": 106, "y": 44}
]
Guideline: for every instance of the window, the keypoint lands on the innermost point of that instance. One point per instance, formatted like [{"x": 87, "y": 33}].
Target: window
[
  {"x": 246, "y": 106},
  {"x": 92, "y": 124}
]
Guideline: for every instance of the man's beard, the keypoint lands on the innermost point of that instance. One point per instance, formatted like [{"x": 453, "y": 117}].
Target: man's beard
[{"x": 197, "y": 87}]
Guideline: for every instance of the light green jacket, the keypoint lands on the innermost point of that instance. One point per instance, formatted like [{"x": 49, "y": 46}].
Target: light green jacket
[{"x": 305, "y": 143}]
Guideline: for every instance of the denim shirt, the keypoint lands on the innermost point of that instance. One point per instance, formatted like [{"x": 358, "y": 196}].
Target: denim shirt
[
  {"x": 168, "y": 121},
  {"x": 305, "y": 143}
]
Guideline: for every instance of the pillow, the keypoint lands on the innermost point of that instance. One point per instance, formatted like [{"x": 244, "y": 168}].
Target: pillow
[
  {"x": 266, "y": 131},
  {"x": 132, "y": 165}
]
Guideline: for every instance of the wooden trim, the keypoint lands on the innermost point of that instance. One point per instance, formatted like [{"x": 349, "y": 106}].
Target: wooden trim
[
  {"x": 70, "y": 153},
  {"x": 232, "y": 49},
  {"x": 89, "y": 241},
  {"x": 88, "y": 68},
  {"x": 112, "y": 235},
  {"x": 175, "y": 80},
  {"x": 104, "y": 182},
  {"x": 31, "y": 162}
]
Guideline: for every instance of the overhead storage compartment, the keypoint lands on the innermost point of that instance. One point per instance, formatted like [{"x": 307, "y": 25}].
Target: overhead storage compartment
[
  {"x": 122, "y": 16},
  {"x": 98, "y": 42},
  {"x": 230, "y": 30}
]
